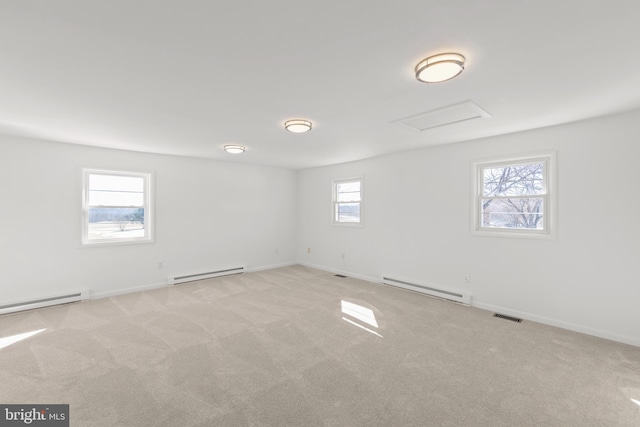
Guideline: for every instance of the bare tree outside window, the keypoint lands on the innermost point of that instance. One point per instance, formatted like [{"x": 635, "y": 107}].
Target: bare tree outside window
[{"x": 513, "y": 196}]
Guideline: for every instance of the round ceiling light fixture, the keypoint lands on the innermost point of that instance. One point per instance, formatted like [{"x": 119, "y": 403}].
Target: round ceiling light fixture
[
  {"x": 297, "y": 125},
  {"x": 440, "y": 67},
  {"x": 234, "y": 149}
]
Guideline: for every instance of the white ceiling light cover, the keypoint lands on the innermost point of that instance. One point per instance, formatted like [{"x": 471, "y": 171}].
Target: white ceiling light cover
[
  {"x": 297, "y": 125},
  {"x": 439, "y": 68},
  {"x": 234, "y": 149}
]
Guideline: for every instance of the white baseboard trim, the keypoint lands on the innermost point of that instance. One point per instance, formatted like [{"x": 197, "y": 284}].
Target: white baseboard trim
[
  {"x": 270, "y": 267},
  {"x": 559, "y": 323},
  {"x": 374, "y": 280},
  {"x": 107, "y": 294},
  {"x": 625, "y": 339},
  {"x": 116, "y": 292},
  {"x": 343, "y": 272}
]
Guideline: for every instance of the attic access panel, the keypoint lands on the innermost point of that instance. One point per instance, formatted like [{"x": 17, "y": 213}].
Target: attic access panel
[{"x": 456, "y": 113}]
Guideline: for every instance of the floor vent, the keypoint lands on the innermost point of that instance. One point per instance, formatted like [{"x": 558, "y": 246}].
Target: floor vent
[
  {"x": 44, "y": 302},
  {"x": 341, "y": 275},
  {"x": 505, "y": 317},
  {"x": 208, "y": 275},
  {"x": 448, "y": 294}
]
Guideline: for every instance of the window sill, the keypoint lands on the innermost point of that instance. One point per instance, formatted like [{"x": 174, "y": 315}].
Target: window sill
[
  {"x": 517, "y": 234},
  {"x": 103, "y": 243},
  {"x": 347, "y": 224}
]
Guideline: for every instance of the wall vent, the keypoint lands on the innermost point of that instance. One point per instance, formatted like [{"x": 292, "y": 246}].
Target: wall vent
[
  {"x": 207, "y": 275},
  {"x": 505, "y": 317},
  {"x": 66, "y": 298},
  {"x": 449, "y": 294}
]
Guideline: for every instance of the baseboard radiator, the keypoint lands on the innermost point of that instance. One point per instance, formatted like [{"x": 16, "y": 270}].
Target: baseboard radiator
[
  {"x": 208, "y": 275},
  {"x": 43, "y": 302},
  {"x": 449, "y": 294}
]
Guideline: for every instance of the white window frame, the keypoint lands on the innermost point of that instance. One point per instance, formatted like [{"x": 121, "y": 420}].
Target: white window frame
[
  {"x": 148, "y": 178},
  {"x": 334, "y": 204},
  {"x": 549, "y": 196}
]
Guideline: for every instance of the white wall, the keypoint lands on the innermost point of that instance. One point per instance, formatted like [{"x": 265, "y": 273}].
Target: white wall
[
  {"x": 209, "y": 215},
  {"x": 417, "y": 226},
  {"x": 215, "y": 214}
]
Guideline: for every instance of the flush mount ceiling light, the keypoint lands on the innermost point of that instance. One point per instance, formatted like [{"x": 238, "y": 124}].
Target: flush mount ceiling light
[
  {"x": 441, "y": 67},
  {"x": 297, "y": 125},
  {"x": 234, "y": 149}
]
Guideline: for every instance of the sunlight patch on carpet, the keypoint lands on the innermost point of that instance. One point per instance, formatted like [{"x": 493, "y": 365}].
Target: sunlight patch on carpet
[
  {"x": 7, "y": 341},
  {"x": 362, "y": 327}
]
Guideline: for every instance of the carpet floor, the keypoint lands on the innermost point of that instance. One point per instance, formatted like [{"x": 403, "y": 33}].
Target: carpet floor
[{"x": 295, "y": 346}]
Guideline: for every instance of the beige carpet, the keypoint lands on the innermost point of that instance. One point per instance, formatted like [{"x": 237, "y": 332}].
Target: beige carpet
[{"x": 281, "y": 348}]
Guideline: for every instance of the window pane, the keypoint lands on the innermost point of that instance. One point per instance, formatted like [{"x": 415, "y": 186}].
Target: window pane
[
  {"x": 116, "y": 183},
  {"x": 348, "y": 191},
  {"x": 110, "y": 190},
  {"x": 513, "y": 180},
  {"x": 513, "y": 213},
  {"x": 349, "y": 197},
  {"x": 116, "y": 223},
  {"x": 113, "y": 198},
  {"x": 348, "y": 186},
  {"x": 348, "y": 212}
]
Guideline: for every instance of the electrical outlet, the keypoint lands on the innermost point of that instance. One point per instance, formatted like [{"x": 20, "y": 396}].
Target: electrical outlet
[
  {"x": 343, "y": 256},
  {"x": 277, "y": 250},
  {"x": 467, "y": 278},
  {"x": 160, "y": 265},
  {"x": 308, "y": 250}
]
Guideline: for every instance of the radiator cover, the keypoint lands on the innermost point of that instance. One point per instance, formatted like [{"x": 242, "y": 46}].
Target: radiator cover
[
  {"x": 45, "y": 301},
  {"x": 206, "y": 275},
  {"x": 433, "y": 290}
]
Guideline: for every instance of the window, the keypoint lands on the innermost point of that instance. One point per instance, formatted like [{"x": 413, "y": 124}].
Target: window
[
  {"x": 116, "y": 207},
  {"x": 347, "y": 201},
  {"x": 513, "y": 197}
]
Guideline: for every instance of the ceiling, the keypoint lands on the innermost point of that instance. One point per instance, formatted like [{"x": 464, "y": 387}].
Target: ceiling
[{"x": 187, "y": 77}]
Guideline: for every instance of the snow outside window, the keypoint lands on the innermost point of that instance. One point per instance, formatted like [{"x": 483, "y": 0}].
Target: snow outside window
[
  {"x": 347, "y": 201},
  {"x": 116, "y": 207}
]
